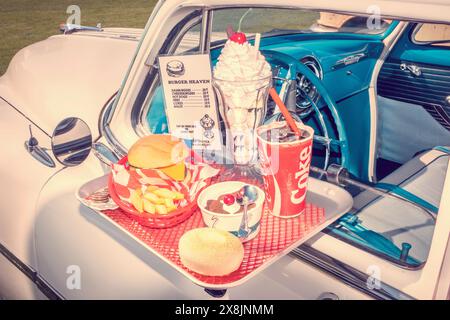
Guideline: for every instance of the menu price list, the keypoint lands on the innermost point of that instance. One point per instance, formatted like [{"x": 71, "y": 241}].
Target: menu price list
[{"x": 191, "y": 98}]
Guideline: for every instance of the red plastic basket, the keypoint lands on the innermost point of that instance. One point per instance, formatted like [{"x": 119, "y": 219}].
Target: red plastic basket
[{"x": 153, "y": 220}]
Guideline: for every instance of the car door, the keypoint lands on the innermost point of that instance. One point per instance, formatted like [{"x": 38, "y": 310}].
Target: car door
[{"x": 414, "y": 93}]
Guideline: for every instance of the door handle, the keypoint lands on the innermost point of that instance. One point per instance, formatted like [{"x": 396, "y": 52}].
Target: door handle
[
  {"x": 414, "y": 69},
  {"x": 37, "y": 152}
]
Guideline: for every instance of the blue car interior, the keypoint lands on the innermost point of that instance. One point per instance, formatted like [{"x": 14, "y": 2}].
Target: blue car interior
[{"x": 413, "y": 119}]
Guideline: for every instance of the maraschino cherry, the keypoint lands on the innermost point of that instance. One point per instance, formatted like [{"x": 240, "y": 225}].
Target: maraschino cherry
[
  {"x": 229, "y": 199},
  {"x": 239, "y": 37}
]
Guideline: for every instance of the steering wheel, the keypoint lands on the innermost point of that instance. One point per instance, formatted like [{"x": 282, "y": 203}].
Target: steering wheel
[{"x": 294, "y": 68}]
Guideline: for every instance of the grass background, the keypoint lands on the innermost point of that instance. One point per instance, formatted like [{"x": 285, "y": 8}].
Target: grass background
[{"x": 23, "y": 22}]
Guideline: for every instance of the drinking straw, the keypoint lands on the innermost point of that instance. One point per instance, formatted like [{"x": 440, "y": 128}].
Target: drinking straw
[
  {"x": 257, "y": 41},
  {"x": 284, "y": 110}
]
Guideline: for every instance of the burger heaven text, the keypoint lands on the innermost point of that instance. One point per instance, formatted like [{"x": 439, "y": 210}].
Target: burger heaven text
[{"x": 188, "y": 81}]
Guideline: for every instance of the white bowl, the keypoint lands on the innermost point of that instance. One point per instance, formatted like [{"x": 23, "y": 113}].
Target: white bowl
[{"x": 230, "y": 222}]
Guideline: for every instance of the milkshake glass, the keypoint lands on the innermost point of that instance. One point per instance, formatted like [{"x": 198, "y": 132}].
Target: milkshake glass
[{"x": 243, "y": 111}]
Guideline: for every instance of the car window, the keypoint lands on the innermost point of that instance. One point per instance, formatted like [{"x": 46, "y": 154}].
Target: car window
[
  {"x": 268, "y": 20},
  {"x": 154, "y": 111},
  {"x": 190, "y": 41},
  {"x": 432, "y": 34}
]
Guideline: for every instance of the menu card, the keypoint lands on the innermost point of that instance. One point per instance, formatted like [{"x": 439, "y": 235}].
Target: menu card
[{"x": 189, "y": 99}]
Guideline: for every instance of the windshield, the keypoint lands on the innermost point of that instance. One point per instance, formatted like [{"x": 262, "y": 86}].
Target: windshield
[{"x": 272, "y": 21}]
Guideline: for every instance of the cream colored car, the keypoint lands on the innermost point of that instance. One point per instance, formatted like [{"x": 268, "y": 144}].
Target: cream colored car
[{"x": 385, "y": 72}]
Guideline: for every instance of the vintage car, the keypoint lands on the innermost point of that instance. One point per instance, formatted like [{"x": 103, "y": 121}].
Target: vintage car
[{"x": 371, "y": 77}]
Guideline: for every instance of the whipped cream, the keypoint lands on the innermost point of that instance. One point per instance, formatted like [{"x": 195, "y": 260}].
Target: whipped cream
[
  {"x": 241, "y": 71},
  {"x": 241, "y": 62},
  {"x": 231, "y": 209}
]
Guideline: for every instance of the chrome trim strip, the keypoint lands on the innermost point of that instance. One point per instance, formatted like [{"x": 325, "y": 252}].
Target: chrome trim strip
[
  {"x": 39, "y": 153},
  {"x": 50, "y": 292},
  {"x": 416, "y": 29},
  {"x": 349, "y": 60},
  {"x": 310, "y": 58},
  {"x": 205, "y": 35},
  {"x": 105, "y": 131},
  {"x": 347, "y": 274},
  {"x": 389, "y": 42}
]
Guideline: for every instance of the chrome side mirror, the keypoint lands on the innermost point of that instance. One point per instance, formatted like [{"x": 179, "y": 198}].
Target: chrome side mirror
[{"x": 71, "y": 142}]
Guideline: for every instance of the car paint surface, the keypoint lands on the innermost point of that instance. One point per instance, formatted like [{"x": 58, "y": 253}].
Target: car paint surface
[{"x": 66, "y": 75}]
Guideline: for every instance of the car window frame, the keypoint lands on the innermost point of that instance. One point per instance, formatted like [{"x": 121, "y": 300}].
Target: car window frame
[
  {"x": 141, "y": 124},
  {"x": 430, "y": 44},
  {"x": 142, "y": 103}
]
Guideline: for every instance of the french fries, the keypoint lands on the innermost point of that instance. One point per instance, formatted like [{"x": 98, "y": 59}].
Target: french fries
[
  {"x": 170, "y": 205},
  {"x": 161, "y": 209},
  {"x": 148, "y": 206},
  {"x": 155, "y": 200},
  {"x": 136, "y": 201},
  {"x": 151, "y": 188},
  {"x": 165, "y": 193}
]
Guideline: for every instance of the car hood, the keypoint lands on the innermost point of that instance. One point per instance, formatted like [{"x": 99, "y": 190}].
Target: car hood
[{"x": 69, "y": 75}]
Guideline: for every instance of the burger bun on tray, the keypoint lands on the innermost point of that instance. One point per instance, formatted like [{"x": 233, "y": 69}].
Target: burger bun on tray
[{"x": 210, "y": 252}]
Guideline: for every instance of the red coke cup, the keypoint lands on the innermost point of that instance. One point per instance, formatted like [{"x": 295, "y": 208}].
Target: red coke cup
[{"x": 285, "y": 167}]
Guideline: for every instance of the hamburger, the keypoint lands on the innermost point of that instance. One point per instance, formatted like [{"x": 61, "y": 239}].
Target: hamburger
[{"x": 162, "y": 152}]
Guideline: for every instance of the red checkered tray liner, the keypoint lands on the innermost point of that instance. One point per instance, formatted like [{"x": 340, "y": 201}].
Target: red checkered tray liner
[{"x": 276, "y": 238}]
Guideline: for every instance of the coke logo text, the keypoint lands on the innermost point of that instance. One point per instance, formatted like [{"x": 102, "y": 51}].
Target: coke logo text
[{"x": 301, "y": 176}]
